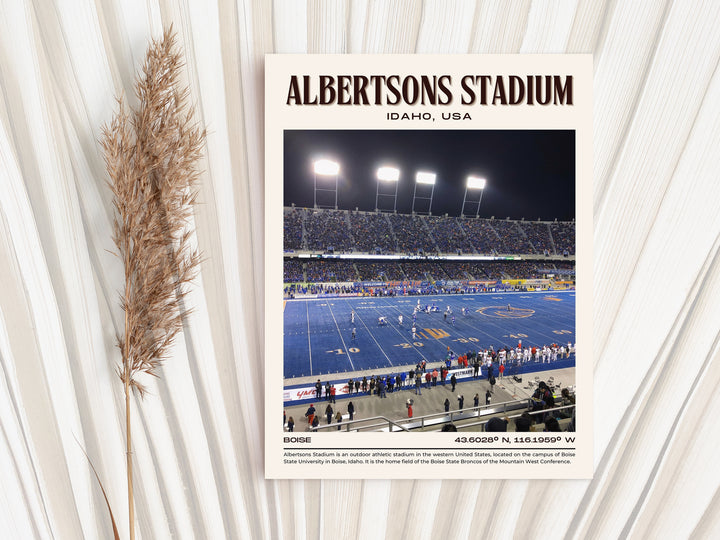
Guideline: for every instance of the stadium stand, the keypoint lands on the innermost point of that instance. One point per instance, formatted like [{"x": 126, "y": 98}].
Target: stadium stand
[
  {"x": 412, "y": 234},
  {"x": 372, "y": 233},
  {"x": 458, "y": 270},
  {"x": 422, "y": 270},
  {"x": 325, "y": 229},
  {"x": 329, "y": 270},
  {"x": 538, "y": 234},
  {"x": 563, "y": 235},
  {"x": 293, "y": 229},
  {"x": 512, "y": 237},
  {"x": 382, "y": 234},
  {"x": 375, "y": 232},
  {"x": 448, "y": 235},
  {"x": 379, "y": 271},
  {"x": 484, "y": 238},
  {"x": 564, "y": 265},
  {"x": 293, "y": 271}
]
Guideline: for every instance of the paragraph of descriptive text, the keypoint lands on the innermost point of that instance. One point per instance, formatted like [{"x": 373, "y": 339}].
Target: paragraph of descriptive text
[{"x": 429, "y": 457}]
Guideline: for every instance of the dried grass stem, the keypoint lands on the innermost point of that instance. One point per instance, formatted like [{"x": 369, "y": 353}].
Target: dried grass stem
[{"x": 151, "y": 154}]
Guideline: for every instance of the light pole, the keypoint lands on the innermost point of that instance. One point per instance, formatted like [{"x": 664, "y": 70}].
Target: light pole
[
  {"x": 473, "y": 183},
  {"x": 428, "y": 179},
  {"x": 325, "y": 167},
  {"x": 387, "y": 175}
]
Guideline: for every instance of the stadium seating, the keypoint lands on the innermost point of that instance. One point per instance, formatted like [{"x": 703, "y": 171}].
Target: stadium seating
[
  {"x": 372, "y": 233},
  {"x": 448, "y": 235},
  {"x": 563, "y": 235},
  {"x": 326, "y": 229},
  {"x": 377, "y": 233},
  {"x": 293, "y": 230}
]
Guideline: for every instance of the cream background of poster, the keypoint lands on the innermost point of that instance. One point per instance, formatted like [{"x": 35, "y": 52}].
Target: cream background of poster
[
  {"x": 198, "y": 443},
  {"x": 280, "y": 116}
]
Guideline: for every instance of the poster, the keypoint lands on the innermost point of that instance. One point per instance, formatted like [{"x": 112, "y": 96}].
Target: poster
[{"x": 428, "y": 266}]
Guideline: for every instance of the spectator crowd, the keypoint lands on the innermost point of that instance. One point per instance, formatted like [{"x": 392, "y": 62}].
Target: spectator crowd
[
  {"x": 545, "y": 408},
  {"x": 376, "y": 232},
  {"x": 333, "y": 270}
]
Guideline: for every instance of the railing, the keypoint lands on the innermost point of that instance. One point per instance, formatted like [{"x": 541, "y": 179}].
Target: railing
[
  {"x": 543, "y": 411},
  {"x": 421, "y": 422},
  {"x": 347, "y": 425},
  {"x": 480, "y": 410},
  {"x": 426, "y": 420}
]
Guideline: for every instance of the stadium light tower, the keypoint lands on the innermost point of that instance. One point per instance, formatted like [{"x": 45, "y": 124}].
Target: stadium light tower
[
  {"x": 424, "y": 179},
  {"x": 387, "y": 175},
  {"x": 473, "y": 183},
  {"x": 325, "y": 168}
]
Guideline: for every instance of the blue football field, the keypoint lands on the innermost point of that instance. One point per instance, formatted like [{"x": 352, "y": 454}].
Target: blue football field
[{"x": 318, "y": 332}]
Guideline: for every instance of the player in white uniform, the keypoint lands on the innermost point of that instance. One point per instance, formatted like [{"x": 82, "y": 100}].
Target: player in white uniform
[
  {"x": 414, "y": 332},
  {"x": 400, "y": 319},
  {"x": 352, "y": 317}
]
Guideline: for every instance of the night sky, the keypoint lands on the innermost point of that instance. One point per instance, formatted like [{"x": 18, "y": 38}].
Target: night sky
[{"x": 530, "y": 174}]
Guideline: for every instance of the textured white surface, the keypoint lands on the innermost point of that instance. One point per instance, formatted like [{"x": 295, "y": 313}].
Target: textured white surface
[{"x": 198, "y": 436}]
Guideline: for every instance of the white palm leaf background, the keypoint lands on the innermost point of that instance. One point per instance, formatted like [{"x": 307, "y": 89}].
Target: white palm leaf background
[{"x": 198, "y": 436}]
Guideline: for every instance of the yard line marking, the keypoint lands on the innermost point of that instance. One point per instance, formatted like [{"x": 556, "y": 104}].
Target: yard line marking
[
  {"x": 481, "y": 332},
  {"x": 420, "y": 331},
  {"x": 553, "y": 317},
  {"x": 307, "y": 312},
  {"x": 342, "y": 339},
  {"x": 538, "y": 331},
  {"x": 375, "y": 340},
  {"x": 407, "y": 340}
]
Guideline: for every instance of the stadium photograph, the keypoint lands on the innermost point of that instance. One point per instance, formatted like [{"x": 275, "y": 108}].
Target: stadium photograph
[{"x": 429, "y": 280}]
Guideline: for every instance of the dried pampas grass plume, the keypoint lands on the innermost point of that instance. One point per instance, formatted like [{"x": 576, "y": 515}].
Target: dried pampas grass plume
[{"x": 151, "y": 155}]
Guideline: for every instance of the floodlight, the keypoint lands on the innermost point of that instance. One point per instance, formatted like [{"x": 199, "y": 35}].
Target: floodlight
[
  {"x": 388, "y": 174},
  {"x": 428, "y": 179},
  {"x": 474, "y": 182},
  {"x": 325, "y": 167},
  {"x": 425, "y": 178}
]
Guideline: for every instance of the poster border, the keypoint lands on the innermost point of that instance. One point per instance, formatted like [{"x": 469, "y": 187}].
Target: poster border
[{"x": 279, "y": 116}]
